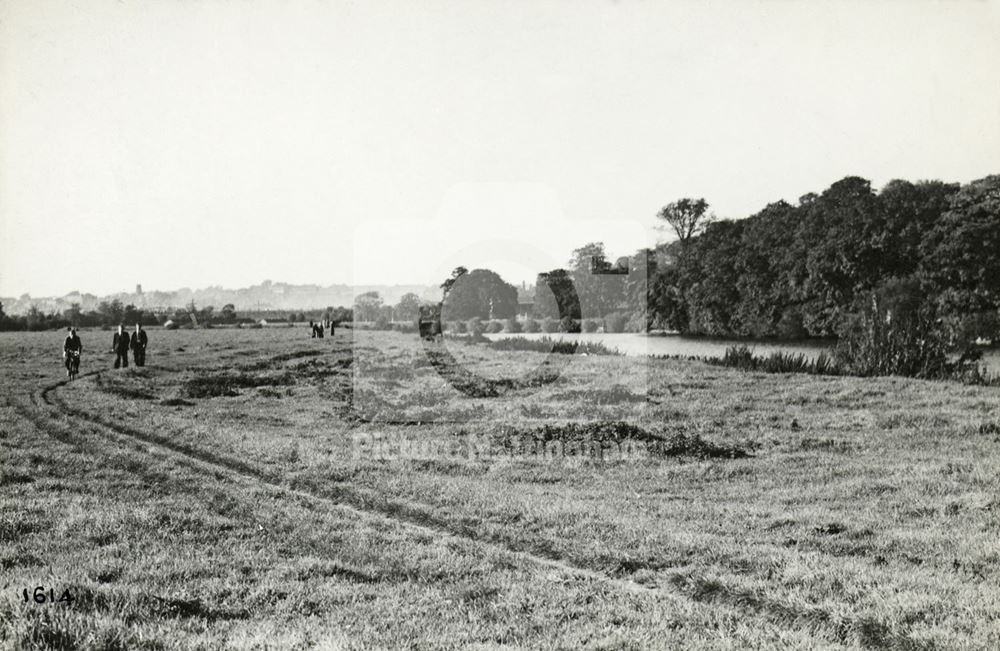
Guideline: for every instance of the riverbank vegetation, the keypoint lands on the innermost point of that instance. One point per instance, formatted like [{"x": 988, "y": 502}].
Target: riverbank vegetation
[{"x": 904, "y": 278}]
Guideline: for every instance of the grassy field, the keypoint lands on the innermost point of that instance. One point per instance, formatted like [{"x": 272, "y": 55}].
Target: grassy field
[{"x": 260, "y": 489}]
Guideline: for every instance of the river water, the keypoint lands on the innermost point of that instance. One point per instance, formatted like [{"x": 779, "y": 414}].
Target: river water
[{"x": 641, "y": 344}]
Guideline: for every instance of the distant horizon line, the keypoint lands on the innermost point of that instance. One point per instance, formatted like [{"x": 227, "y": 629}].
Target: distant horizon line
[
  {"x": 134, "y": 292},
  {"x": 354, "y": 288}
]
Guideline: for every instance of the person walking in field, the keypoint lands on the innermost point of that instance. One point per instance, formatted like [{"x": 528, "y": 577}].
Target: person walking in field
[
  {"x": 119, "y": 346},
  {"x": 72, "y": 348},
  {"x": 138, "y": 345}
]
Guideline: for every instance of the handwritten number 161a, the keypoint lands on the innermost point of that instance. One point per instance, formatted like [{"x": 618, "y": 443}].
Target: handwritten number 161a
[{"x": 40, "y": 596}]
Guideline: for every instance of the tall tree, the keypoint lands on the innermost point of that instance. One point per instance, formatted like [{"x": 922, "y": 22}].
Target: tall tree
[
  {"x": 366, "y": 306},
  {"x": 763, "y": 268},
  {"x": 408, "y": 307},
  {"x": 912, "y": 211},
  {"x": 839, "y": 249},
  {"x": 687, "y": 217},
  {"x": 112, "y": 312},
  {"x": 456, "y": 273},
  {"x": 709, "y": 278},
  {"x": 479, "y": 293},
  {"x": 960, "y": 259}
]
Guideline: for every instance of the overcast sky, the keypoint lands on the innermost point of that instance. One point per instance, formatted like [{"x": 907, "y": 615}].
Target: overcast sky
[{"x": 194, "y": 143}]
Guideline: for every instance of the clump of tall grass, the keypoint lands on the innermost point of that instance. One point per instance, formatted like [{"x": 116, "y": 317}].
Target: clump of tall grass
[
  {"x": 878, "y": 342},
  {"x": 875, "y": 342},
  {"x": 547, "y": 344},
  {"x": 910, "y": 343},
  {"x": 742, "y": 358}
]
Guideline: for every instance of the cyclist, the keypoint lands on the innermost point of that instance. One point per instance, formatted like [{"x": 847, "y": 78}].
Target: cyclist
[{"x": 72, "y": 347}]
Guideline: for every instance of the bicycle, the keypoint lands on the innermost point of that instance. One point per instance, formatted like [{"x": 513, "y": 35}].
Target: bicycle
[{"x": 72, "y": 364}]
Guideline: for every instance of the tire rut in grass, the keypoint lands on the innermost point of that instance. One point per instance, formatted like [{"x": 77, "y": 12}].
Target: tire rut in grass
[
  {"x": 865, "y": 631},
  {"x": 401, "y": 514}
]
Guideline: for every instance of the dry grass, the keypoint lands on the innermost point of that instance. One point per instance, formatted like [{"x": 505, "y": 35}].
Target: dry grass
[{"x": 219, "y": 498}]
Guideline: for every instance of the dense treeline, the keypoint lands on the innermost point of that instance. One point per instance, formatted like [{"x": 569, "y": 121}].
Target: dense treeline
[
  {"x": 107, "y": 314},
  {"x": 111, "y": 313},
  {"x": 927, "y": 251}
]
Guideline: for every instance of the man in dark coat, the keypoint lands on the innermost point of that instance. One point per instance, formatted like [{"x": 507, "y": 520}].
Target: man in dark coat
[
  {"x": 119, "y": 345},
  {"x": 138, "y": 345},
  {"x": 72, "y": 344}
]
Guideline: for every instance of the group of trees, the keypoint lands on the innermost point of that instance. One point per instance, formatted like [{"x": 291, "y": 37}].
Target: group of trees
[
  {"x": 927, "y": 252},
  {"x": 107, "y": 313},
  {"x": 369, "y": 307},
  {"x": 114, "y": 312},
  {"x": 805, "y": 270}
]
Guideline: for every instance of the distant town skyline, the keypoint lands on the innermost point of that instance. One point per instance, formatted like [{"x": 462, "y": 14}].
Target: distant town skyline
[
  {"x": 191, "y": 144},
  {"x": 266, "y": 295}
]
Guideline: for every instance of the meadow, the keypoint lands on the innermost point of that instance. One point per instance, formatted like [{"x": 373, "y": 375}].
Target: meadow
[{"x": 261, "y": 489}]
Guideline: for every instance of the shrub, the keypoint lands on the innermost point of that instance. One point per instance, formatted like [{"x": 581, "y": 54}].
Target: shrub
[
  {"x": 590, "y": 325},
  {"x": 877, "y": 341},
  {"x": 512, "y": 326},
  {"x": 459, "y": 327},
  {"x": 550, "y": 325},
  {"x": 530, "y": 325},
  {"x": 494, "y": 327},
  {"x": 382, "y": 322},
  {"x": 614, "y": 322}
]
